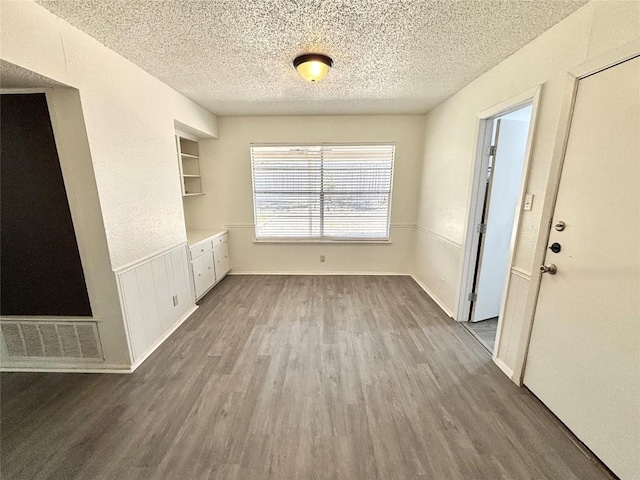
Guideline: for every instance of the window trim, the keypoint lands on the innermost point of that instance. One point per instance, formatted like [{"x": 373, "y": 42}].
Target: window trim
[
  {"x": 311, "y": 241},
  {"x": 324, "y": 239}
]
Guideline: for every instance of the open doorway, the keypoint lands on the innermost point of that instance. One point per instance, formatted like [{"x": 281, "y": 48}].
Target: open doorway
[{"x": 502, "y": 173}]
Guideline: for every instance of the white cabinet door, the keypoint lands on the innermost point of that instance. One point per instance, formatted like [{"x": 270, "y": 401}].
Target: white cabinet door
[
  {"x": 197, "y": 267},
  {"x": 221, "y": 256},
  {"x": 209, "y": 271},
  {"x": 203, "y": 273}
]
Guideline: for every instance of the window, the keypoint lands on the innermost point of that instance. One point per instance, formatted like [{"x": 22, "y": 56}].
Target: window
[{"x": 322, "y": 192}]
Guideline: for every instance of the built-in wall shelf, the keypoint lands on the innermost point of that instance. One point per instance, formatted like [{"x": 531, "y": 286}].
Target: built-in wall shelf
[{"x": 189, "y": 163}]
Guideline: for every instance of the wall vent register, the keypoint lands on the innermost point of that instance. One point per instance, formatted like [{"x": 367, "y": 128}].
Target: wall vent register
[
  {"x": 59, "y": 340},
  {"x": 322, "y": 192}
]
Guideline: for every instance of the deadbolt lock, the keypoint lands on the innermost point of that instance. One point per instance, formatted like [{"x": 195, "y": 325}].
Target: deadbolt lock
[{"x": 555, "y": 247}]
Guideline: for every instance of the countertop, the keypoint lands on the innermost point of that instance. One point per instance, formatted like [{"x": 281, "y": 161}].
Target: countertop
[{"x": 195, "y": 236}]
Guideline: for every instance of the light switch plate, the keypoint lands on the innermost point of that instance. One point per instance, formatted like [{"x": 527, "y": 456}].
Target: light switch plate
[{"x": 528, "y": 202}]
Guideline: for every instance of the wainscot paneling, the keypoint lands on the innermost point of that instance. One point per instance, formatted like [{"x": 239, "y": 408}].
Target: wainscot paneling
[
  {"x": 437, "y": 267},
  {"x": 156, "y": 298},
  {"x": 510, "y": 325}
]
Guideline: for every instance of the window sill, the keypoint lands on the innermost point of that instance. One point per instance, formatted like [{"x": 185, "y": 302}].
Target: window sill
[{"x": 323, "y": 241}]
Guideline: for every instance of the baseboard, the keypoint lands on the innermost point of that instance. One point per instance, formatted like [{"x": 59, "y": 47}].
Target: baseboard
[
  {"x": 396, "y": 274},
  {"x": 433, "y": 297},
  {"x": 155, "y": 346},
  {"x": 502, "y": 366},
  {"x": 107, "y": 369},
  {"x": 64, "y": 368}
]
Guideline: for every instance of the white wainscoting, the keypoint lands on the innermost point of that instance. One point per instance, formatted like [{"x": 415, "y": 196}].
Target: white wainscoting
[
  {"x": 511, "y": 321},
  {"x": 147, "y": 290},
  {"x": 437, "y": 268}
]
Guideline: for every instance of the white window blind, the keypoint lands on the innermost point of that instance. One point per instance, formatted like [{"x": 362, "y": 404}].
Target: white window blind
[{"x": 333, "y": 192}]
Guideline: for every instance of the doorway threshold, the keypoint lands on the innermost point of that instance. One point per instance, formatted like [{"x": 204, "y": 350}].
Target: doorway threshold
[{"x": 484, "y": 332}]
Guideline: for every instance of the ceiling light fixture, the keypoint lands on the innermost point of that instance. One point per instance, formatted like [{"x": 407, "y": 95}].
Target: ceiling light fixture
[{"x": 312, "y": 66}]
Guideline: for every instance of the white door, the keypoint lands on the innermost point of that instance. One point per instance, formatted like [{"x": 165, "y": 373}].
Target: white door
[
  {"x": 584, "y": 355},
  {"x": 505, "y": 188}
]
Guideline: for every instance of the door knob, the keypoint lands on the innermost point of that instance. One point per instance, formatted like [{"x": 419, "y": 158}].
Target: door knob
[{"x": 551, "y": 269}]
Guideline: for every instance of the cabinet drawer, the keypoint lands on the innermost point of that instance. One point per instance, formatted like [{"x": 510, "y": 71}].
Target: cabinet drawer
[
  {"x": 219, "y": 240},
  {"x": 199, "y": 248}
]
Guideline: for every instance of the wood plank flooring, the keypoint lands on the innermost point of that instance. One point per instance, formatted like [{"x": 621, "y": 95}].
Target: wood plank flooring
[{"x": 293, "y": 377}]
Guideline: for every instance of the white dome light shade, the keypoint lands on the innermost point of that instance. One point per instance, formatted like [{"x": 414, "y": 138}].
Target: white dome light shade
[{"x": 312, "y": 67}]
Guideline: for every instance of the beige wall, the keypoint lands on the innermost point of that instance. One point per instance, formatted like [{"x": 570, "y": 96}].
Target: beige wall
[
  {"x": 114, "y": 131},
  {"x": 451, "y": 127},
  {"x": 226, "y": 167},
  {"x": 129, "y": 118},
  {"x": 450, "y": 143}
]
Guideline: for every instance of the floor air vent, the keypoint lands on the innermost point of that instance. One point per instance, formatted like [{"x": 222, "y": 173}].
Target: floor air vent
[{"x": 60, "y": 340}]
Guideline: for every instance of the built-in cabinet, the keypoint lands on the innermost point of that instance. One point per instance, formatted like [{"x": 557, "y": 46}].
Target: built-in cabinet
[
  {"x": 208, "y": 250},
  {"x": 209, "y": 253},
  {"x": 189, "y": 163}
]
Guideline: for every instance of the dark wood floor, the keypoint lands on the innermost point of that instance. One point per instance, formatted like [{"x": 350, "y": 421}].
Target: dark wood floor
[{"x": 293, "y": 377}]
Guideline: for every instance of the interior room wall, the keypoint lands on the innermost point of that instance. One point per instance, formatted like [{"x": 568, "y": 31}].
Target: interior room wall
[
  {"x": 117, "y": 125},
  {"x": 129, "y": 117},
  {"x": 449, "y": 152},
  {"x": 226, "y": 167}
]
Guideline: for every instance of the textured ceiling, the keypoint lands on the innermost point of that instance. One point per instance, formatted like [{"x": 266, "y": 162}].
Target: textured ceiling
[
  {"x": 390, "y": 56},
  {"x": 14, "y": 76}
]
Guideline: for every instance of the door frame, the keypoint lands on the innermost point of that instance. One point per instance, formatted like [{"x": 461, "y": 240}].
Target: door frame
[
  {"x": 472, "y": 236},
  {"x": 574, "y": 75}
]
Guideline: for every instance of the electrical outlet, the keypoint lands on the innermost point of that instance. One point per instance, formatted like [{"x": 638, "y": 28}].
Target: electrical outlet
[{"x": 322, "y": 259}]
